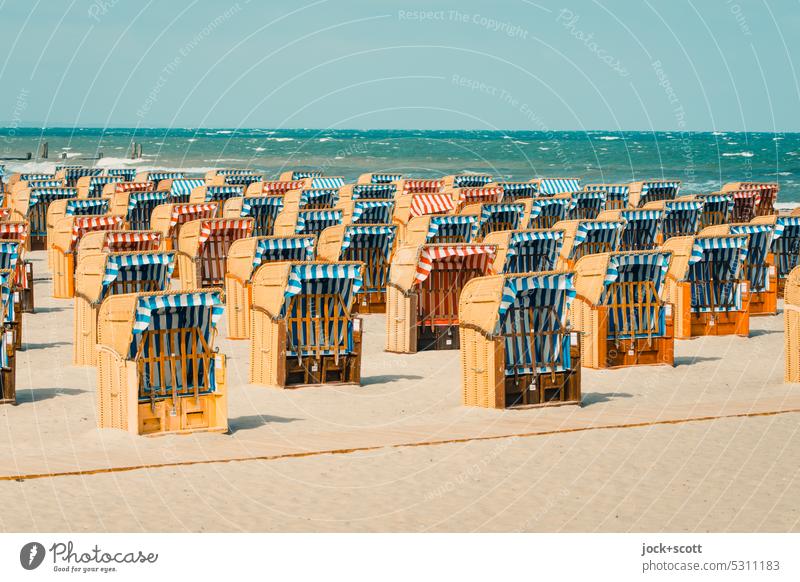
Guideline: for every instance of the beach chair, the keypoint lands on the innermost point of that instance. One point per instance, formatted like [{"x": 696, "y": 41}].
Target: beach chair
[
  {"x": 494, "y": 217},
  {"x": 513, "y": 191},
  {"x": 379, "y": 178},
  {"x": 517, "y": 349},
  {"x": 241, "y": 180},
  {"x": 472, "y": 195},
  {"x": 127, "y": 174},
  {"x": 545, "y": 212},
  {"x": 262, "y": 209},
  {"x": 244, "y": 257},
  {"x": 11, "y": 258},
  {"x": 716, "y": 209},
  {"x": 411, "y": 205},
  {"x": 18, "y": 231},
  {"x": 180, "y": 189},
  {"x": 619, "y": 312},
  {"x": 223, "y": 172},
  {"x": 72, "y": 174},
  {"x": 745, "y": 205},
  {"x": 311, "y": 199},
  {"x": 440, "y": 228},
  {"x": 525, "y": 251},
  {"x": 11, "y": 191},
  {"x": 551, "y": 186},
  {"x": 31, "y": 205},
  {"x": 203, "y": 249},
  {"x": 326, "y": 182},
  {"x": 791, "y": 326},
  {"x": 21, "y": 177},
  {"x": 158, "y": 371},
  {"x": 679, "y": 218},
  {"x": 706, "y": 285},
  {"x": 587, "y": 205},
  {"x": 587, "y": 237},
  {"x": 617, "y": 195},
  {"x": 455, "y": 181},
  {"x": 768, "y": 194},
  {"x": 290, "y": 175},
  {"x": 275, "y": 187},
  {"x": 168, "y": 219},
  {"x": 371, "y": 244},
  {"x": 641, "y": 193},
  {"x": 58, "y": 209},
  {"x": 8, "y": 367},
  {"x": 353, "y": 192},
  {"x": 118, "y": 241},
  {"x": 218, "y": 194},
  {"x": 761, "y": 297},
  {"x": 416, "y": 186},
  {"x": 367, "y": 211},
  {"x": 303, "y": 331},
  {"x": 109, "y": 190},
  {"x": 67, "y": 235},
  {"x": 136, "y": 207},
  {"x": 425, "y": 282},
  {"x": 158, "y": 176},
  {"x": 289, "y": 222},
  {"x": 92, "y": 186},
  {"x": 785, "y": 247},
  {"x": 641, "y": 229},
  {"x": 102, "y": 275}
]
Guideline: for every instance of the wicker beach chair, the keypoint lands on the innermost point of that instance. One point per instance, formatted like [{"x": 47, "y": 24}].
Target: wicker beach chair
[
  {"x": 641, "y": 229},
  {"x": 158, "y": 371},
  {"x": 353, "y": 192},
  {"x": 92, "y": 186},
  {"x": 12, "y": 258},
  {"x": 311, "y": 199},
  {"x": 501, "y": 216},
  {"x": 457, "y": 181},
  {"x": 72, "y": 174},
  {"x": 716, "y": 209},
  {"x": 67, "y": 235},
  {"x": 290, "y": 175},
  {"x": 203, "y": 249},
  {"x": 513, "y": 191},
  {"x": 791, "y": 323},
  {"x": 276, "y": 187},
  {"x": 545, "y": 212},
  {"x": 262, "y": 209},
  {"x": 517, "y": 349},
  {"x": 118, "y": 241},
  {"x": 679, "y": 218},
  {"x": 768, "y": 194},
  {"x": 420, "y": 186},
  {"x": 179, "y": 189},
  {"x": 642, "y": 193},
  {"x": 525, "y": 251},
  {"x": 157, "y": 176},
  {"x": 303, "y": 331},
  {"x": 587, "y": 237},
  {"x": 371, "y": 244},
  {"x": 706, "y": 285},
  {"x": 32, "y": 205},
  {"x": 617, "y": 195},
  {"x": 411, "y": 205},
  {"x": 758, "y": 269},
  {"x": 290, "y": 222},
  {"x": 218, "y": 194},
  {"x": 109, "y": 190},
  {"x": 168, "y": 219},
  {"x": 20, "y": 179},
  {"x": 127, "y": 174},
  {"x": 379, "y": 178},
  {"x": 9, "y": 192},
  {"x": 17, "y": 230},
  {"x": 551, "y": 186},
  {"x": 136, "y": 207},
  {"x": 425, "y": 282},
  {"x": 102, "y": 275},
  {"x": 367, "y": 211},
  {"x": 587, "y": 205},
  {"x": 326, "y": 182},
  {"x": 619, "y": 312},
  {"x": 440, "y": 228},
  {"x": 785, "y": 247},
  {"x": 8, "y": 366},
  {"x": 58, "y": 209},
  {"x": 244, "y": 257}
]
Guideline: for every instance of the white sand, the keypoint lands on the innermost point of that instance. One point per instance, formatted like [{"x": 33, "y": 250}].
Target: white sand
[{"x": 731, "y": 474}]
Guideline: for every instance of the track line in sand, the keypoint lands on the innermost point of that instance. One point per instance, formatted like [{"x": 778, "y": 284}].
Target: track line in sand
[{"x": 298, "y": 455}]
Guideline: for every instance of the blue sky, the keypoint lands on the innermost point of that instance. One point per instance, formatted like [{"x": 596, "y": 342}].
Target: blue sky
[{"x": 509, "y": 64}]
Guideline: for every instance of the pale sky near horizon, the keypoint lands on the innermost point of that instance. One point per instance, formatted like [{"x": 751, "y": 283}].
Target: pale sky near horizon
[{"x": 511, "y": 64}]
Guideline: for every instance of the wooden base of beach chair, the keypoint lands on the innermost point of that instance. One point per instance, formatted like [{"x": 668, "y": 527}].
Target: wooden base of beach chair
[
  {"x": 84, "y": 331},
  {"x": 38, "y": 242},
  {"x": 63, "y": 274},
  {"x": 237, "y": 307},
  {"x": 323, "y": 371},
  {"x": 370, "y": 303},
  {"x": 444, "y": 337},
  {"x": 8, "y": 393},
  {"x": 26, "y": 296},
  {"x": 764, "y": 302},
  {"x": 16, "y": 329},
  {"x": 537, "y": 390},
  {"x": 720, "y": 323},
  {"x": 189, "y": 416}
]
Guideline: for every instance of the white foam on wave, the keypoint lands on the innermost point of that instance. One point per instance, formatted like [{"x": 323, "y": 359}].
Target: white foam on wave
[
  {"x": 279, "y": 139},
  {"x": 609, "y": 137},
  {"x": 739, "y": 155}
]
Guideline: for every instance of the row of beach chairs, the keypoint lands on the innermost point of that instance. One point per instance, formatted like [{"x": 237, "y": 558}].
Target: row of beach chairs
[{"x": 530, "y": 280}]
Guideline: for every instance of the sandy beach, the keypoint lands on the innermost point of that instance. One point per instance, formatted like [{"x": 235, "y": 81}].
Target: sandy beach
[{"x": 709, "y": 445}]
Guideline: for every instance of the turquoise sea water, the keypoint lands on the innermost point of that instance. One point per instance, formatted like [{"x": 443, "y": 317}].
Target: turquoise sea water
[{"x": 702, "y": 161}]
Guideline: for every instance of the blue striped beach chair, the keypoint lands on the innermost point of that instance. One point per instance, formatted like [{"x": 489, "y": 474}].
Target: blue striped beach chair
[
  {"x": 33, "y": 205},
  {"x": 545, "y": 212},
  {"x": 243, "y": 180},
  {"x": 785, "y": 245},
  {"x": 158, "y": 176},
  {"x": 327, "y": 182},
  {"x": 641, "y": 229},
  {"x": 180, "y": 189},
  {"x": 372, "y": 212},
  {"x": 71, "y": 175},
  {"x": 303, "y": 329},
  {"x": 587, "y": 205},
  {"x": 92, "y": 186},
  {"x": 158, "y": 370},
  {"x": 680, "y": 218},
  {"x": 17, "y": 230},
  {"x": 552, "y": 186},
  {"x": 8, "y": 367},
  {"x": 290, "y": 222},
  {"x": 494, "y": 217},
  {"x": 620, "y": 312},
  {"x": 588, "y": 237},
  {"x": 436, "y": 229},
  {"x": 379, "y": 178},
  {"x": 139, "y": 207},
  {"x": 312, "y": 199},
  {"x": 127, "y": 174},
  {"x": 12, "y": 254},
  {"x": 289, "y": 175},
  {"x": 218, "y": 194},
  {"x": 642, "y": 193},
  {"x": 371, "y": 244},
  {"x": 102, "y": 275},
  {"x": 716, "y": 209},
  {"x": 708, "y": 286},
  {"x": 467, "y": 180},
  {"x": 617, "y": 195},
  {"x": 526, "y": 251},
  {"x": 516, "y": 343},
  {"x": 263, "y": 210},
  {"x": 372, "y": 191},
  {"x": 244, "y": 257},
  {"x": 513, "y": 191}
]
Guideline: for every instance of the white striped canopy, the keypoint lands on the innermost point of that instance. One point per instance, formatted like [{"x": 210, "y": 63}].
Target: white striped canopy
[
  {"x": 235, "y": 171},
  {"x": 383, "y": 235},
  {"x": 137, "y": 198},
  {"x": 216, "y": 193},
  {"x": 429, "y": 254},
  {"x": 86, "y": 206},
  {"x": 139, "y": 266},
  {"x": 563, "y": 206},
  {"x": 452, "y": 225},
  {"x": 385, "y": 178},
  {"x": 327, "y": 182},
  {"x": 374, "y": 191},
  {"x": 251, "y": 202},
  {"x": 17, "y": 230},
  {"x": 27, "y": 177},
  {"x": 303, "y": 174},
  {"x": 327, "y": 196},
  {"x": 471, "y": 180},
  {"x": 126, "y": 174},
  {"x": 265, "y": 246},
  {"x": 32, "y": 184},
  {"x": 182, "y": 187},
  {"x": 301, "y": 274},
  {"x": 158, "y": 176},
  {"x": 550, "y": 186},
  {"x": 512, "y": 213},
  {"x": 514, "y": 190},
  {"x": 242, "y": 179},
  {"x": 423, "y": 204},
  {"x": 184, "y": 212},
  {"x": 373, "y": 211},
  {"x": 47, "y": 195},
  {"x": 602, "y": 230},
  {"x": 9, "y": 254},
  {"x": 703, "y": 244},
  {"x": 541, "y": 246},
  {"x": 759, "y": 243},
  {"x": 515, "y": 285},
  {"x": 315, "y": 221}
]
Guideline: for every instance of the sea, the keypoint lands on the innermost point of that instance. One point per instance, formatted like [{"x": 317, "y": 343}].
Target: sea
[{"x": 701, "y": 160}]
